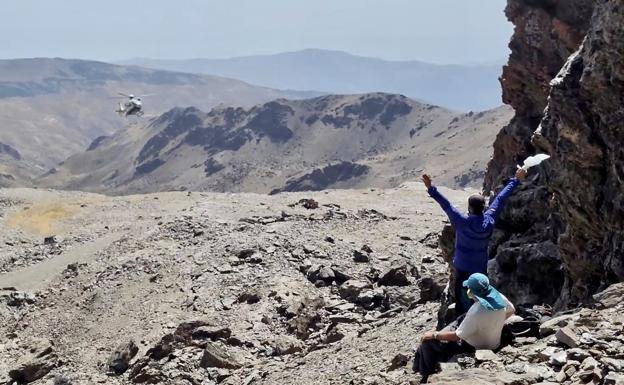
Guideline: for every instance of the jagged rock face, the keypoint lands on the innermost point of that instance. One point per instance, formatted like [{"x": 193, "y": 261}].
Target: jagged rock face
[
  {"x": 546, "y": 33},
  {"x": 577, "y": 239},
  {"x": 584, "y": 129}
]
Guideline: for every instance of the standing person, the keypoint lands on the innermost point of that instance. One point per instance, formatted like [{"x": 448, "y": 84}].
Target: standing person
[
  {"x": 472, "y": 233},
  {"x": 480, "y": 329}
]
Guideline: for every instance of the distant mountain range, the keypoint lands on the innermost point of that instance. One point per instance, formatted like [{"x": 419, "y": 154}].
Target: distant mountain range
[
  {"x": 288, "y": 145},
  {"x": 53, "y": 108},
  {"x": 459, "y": 87}
]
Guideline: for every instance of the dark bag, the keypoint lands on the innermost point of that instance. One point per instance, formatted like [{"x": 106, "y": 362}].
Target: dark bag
[
  {"x": 507, "y": 338},
  {"x": 528, "y": 327}
]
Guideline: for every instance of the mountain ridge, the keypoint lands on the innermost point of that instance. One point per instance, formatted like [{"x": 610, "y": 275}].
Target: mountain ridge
[
  {"x": 53, "y": 107},
  {"x": 333, "y": 141},
  {"x": 460, "y": 87}
]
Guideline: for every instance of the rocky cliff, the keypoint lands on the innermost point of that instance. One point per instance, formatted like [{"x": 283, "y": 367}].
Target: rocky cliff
[{"x": 565, "y": 80}]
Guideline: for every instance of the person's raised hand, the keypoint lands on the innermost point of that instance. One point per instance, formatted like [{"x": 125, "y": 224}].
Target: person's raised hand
[
  {"x": 521, "y": 174},
  {"x": 426, "y": 180}
]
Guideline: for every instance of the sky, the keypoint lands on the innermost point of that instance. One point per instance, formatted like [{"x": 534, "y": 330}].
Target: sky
[{"x": 437, "y": 31}]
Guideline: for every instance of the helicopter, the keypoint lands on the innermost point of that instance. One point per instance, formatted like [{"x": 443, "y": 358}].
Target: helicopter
[{"x": 133, "y": 106}]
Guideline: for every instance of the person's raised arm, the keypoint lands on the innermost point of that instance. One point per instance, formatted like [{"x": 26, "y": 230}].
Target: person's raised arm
[
  {"x": 451, "y": 211},
  {"x": 497, "y": 205}
]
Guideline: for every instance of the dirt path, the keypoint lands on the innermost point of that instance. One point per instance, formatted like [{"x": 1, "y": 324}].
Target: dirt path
[{"x": 37, "y": 277}]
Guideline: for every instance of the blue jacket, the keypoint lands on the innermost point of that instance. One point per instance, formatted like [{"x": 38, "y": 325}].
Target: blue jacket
[{"x": 473, "y": 232}]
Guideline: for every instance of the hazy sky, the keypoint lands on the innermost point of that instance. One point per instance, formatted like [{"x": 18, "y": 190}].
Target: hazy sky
[{"x": 442, "y": 31}]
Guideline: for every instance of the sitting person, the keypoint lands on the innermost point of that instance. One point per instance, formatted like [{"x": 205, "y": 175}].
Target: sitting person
[{"x": 480, "y": 329}]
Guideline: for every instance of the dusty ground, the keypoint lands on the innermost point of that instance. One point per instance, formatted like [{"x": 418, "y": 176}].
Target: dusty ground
[
  {"x": 141, "y": 272},
  {"x": 246, "y": 289}
]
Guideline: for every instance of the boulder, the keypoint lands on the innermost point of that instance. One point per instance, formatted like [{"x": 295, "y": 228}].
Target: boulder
[
  {"x": 144, "y": 373},
  {"x": 18, "y": 298},
  {"x": 370, "y": 299},
  {"x": 211, "y": 332},
  {"x": 284, "y": 345},
  {"x": 482, "y": 355},
  {"x": 307, "y": 317},
  {"x": 251, "y": 296},
  {"x": 449, "y": 367},
  {"x": 37, "y": 363},
  {"x": 61, "y": 380},
  {"x": 613, "y": 363},
  {"x": 577, "y": 354},
  {"x": 218, "y": 356},
  {"x": 559, "y": 358},
  {"x": 34, "y": 369},
  {"x": 396, "y": 276},
  {"x": 611, "y": 296},
  {"x": 184, "y": 331},
  {"x": 351, "y": 289},
  {"x": 248, "y": 254},
  {"x": 614, "y": 379},
  {"x": 162, "y": 349},
  {"x": 430, "y": 289},
  {"x": 398, "y": 361},
  {"x": 552, "y": 325},
  {"x": 545, "y": 354},
  {"x": 567, "y": 337},
  {"x": 360, "y": 256},
  {"x": 335, "y": 334},
  {"x": 119, "y": 360},
  {"x": 321, "y": 275}
]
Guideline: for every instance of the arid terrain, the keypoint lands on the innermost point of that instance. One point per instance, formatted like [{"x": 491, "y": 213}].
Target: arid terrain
[
  {"x": 353, "y": 141},
  {"x": 54, "y": 108},
  {"x": 204, "y": 288},
  {"x": 136, "y": 267},
  {"x": 334, "y": 285}
]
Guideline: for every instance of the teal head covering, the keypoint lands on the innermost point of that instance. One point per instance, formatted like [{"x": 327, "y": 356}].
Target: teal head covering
[{"x": 487, "y": 296}]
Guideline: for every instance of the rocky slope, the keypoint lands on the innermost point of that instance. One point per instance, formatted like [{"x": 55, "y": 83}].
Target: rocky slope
[
  {"x": 564, "y": 80},
  {"x": 289, "y": 292},
  {"x": 287, "y": 145},
  {"x": 14, "y": 170},
  {"x": 53, "y": 108},
  {"x": 458, "y": 87},
  {"x": 206, "y": 288}
]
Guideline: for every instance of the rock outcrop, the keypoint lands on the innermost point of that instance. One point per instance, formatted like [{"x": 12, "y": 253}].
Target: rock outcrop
[{"x": 565, "y": 81}]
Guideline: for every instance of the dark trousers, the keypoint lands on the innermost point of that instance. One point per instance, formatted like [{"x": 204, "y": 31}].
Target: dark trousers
[
  {"x": 430, "y": 353},
  {"x": 462, "y": 302}
]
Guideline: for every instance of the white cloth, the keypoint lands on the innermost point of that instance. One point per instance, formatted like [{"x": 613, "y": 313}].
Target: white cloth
[{"x": 482, "y": 328}]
